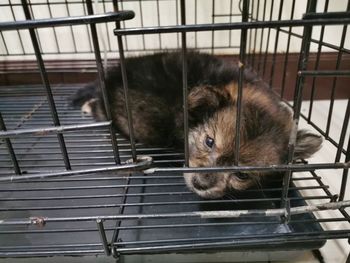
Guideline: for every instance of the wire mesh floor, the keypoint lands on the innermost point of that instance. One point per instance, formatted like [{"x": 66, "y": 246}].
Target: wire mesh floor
[{"x": 133, "y": 194}]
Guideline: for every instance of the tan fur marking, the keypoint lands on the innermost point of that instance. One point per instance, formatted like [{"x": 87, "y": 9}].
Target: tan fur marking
[{"x": 232, "y": 89}]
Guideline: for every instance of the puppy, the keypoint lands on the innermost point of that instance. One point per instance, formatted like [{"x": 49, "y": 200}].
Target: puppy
[{"x": 155, "y": 90}]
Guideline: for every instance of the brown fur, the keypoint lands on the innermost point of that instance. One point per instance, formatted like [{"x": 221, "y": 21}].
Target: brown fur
[
  {"x": 265, "y": 128},
  {"x": 155, "y": 90}
]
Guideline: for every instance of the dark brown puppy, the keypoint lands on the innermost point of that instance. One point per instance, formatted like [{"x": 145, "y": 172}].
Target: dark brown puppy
[{"x": 155, "y": 90}]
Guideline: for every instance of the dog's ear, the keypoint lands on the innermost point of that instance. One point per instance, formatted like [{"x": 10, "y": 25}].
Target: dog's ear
[
  {"x": 203, "y": 101},
  {"x": 307, "y": 144}
]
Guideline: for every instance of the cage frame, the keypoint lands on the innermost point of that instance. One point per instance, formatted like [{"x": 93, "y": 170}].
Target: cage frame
[{"x": 310, "y": 19}]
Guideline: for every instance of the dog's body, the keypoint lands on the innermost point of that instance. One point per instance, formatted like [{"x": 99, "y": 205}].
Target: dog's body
[{"x": 155, "y": 90}]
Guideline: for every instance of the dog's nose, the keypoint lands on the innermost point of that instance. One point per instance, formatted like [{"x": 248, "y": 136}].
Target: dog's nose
[
  {"x": 198, "y": 185},
  {"x": 204, "y": 182}
]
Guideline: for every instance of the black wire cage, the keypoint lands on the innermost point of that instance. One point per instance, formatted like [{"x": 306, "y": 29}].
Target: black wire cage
[{"x": 71, "y": 186}]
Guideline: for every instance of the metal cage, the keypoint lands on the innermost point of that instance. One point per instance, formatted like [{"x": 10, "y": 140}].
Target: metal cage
[{"x": 70, "y": 186}]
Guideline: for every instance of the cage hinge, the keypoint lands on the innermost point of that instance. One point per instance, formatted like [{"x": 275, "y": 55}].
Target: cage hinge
[
  {"x": 286, "y": 217},
  {"x": 103, "y": 237},
  {"x": 115, "y": 252},
  {"x": 334, "y": 198}
]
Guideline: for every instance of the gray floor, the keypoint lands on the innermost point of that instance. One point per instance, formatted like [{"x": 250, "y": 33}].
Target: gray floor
[
  {"x": 302, "y": 257},
  {"x": 18, "y": 208}
]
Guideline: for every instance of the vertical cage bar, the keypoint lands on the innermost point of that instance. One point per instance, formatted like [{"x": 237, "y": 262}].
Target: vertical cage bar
[
  {"x": 242, "y": 54},
  {"x": 5, "y": 45},
  {"x": 255, "y": 33},
  {"x": 230, "y": 20},
  {"x": 9, "y": 147},
  {"x": 195, "y": 22},
  {"x": 212, "y": 21},
  {"x": 130, "y": 126},
  {"x": 284, "y": 75},
  {"x": 177, "y": 22},
  {"x": 276, "y": 46},
  {"x": 87, "y": 27},
  {"x": 345, "y": 175},
  {"x": 302, "y": 65},
  {"x": 102, "y": 83},
  {"x": 53, "y": 28},
  {"x": 103, "y": 237},
  {"x": 319, "y": 50},
  {"x": 262, "y": 36},
  {"x": 125, "y": 86},
  {"x": 268, "y": 39},
  {"x": 158, "y": 22},
  {"x": 343, "y": 132},
  {"x": 339, "y": 58},
  {"x": 142, "y": 25},
  {"x": 184, "y": 79},
  {"x": 121, "y": 208},
  {"x": 71, "y": 28},
  {"x": 18, "y": 34},
  {"x": 46, "y": 83},
  {"x": 120, "y": 212},
  {"x": 106, "y": 27},
  {"x": 250, "y": 35},
  {"x": 31, "y": 12},
  {"x": 125, "y": 38}
]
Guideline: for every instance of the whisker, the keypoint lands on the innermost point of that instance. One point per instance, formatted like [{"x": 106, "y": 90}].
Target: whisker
[
  {"x": 257, "y": 181},
  {"x": 230, "y": 196}
]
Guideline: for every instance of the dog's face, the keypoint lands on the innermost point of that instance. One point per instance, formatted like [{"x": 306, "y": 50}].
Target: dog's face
[{"x": 264, "y": 135}]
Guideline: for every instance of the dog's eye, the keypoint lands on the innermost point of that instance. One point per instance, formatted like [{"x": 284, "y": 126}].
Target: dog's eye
[
  {"x": 209, "y": 141},
  {"x": 242, "y": 176}
]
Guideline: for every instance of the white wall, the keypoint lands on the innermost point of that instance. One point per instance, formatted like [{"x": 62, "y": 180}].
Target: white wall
[{"x": 197, "y": 11}]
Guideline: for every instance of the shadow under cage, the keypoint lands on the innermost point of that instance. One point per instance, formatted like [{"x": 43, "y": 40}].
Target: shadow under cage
[{"x": 73, "y": 186}]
